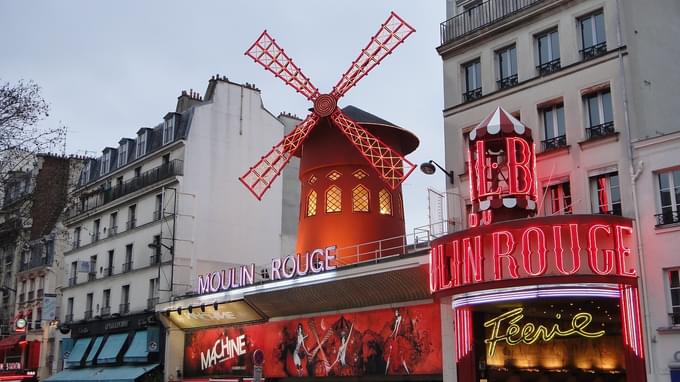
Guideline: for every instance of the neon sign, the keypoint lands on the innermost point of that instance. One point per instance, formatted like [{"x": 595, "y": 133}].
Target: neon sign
[
  {"x": 548, "y": 246},
  {"x": 529, "y": 333}
]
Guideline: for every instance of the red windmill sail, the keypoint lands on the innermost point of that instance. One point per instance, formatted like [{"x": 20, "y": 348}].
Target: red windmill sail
[{"x": 391, "y": 166}]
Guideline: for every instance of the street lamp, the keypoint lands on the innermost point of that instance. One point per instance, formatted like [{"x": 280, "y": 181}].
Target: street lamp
[{"x": 429, "y": 169}]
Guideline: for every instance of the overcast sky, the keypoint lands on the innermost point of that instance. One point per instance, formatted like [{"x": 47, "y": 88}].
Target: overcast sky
[{"x": 108, "y": 68}]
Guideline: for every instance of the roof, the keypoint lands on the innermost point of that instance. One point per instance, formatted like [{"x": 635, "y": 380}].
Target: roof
[{"x": 409, "y": 140}]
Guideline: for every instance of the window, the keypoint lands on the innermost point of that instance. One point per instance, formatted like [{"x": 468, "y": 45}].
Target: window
[
  {"x": 138, "y": 171},
  {"x": 106, "y": 302},
  {"x": 127, "y": 266},
  {"x": 669, "y": 197},
  {"x": 333, "y": 175},
  {"x": 122, "y": 154},
  {"x": 558, "y": 199},
  {"x": 311, "y": 203},
  {"x": 74, "y": 273},
  {"x": 166, "y": 159},
  {"x": 156, "y": 256},
  {"x": 593, "y": 40},
  {"x": 113, "y": 223},
  {"x": 132, "y": 217},
  {"x": 606, "y": 196},
  {"x": 69, "y": 310},
  {"x": 385, "y": 202},
  {"x": 153, "y": 294},
  {"x": 109, "y": 269},
  {"x": 360, "y": 199},
  {"x": 360, "y": 174},
  {"x": 95, "y": 229},
  {"x": 548, "y": 46},
  {"x": 92, "y": 275},
  {"x": 88, "y": 306},
  {"x": 473, "y": 80},
  {"x": 674, "y": 286},
  {"x": 141, "y": 144},
  {"x": 124, "y": 299},
  {"x": 105, "y": 163},
  {"x": 168, "y": 130},
  {"x": 333, "y": 200},
  {"x": 159, "y": 207},
  {"x": 600, "y": 115},
  {"x": 553, "y": 127},
  {"x": 507, "y": 67},
  {"x": 76, "y": 237}
]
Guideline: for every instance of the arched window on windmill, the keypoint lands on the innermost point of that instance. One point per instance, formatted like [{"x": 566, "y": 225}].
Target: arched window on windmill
[
  {"x": 333, "y": 199},
  {"x": 360, "y": 199},
  {"x": 385, "y": 202},
  {"x": 311, "y": 203}
]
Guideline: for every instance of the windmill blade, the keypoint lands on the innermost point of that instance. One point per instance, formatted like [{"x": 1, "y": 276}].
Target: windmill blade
[
  {"x": 266, "y": 52},
  {"x": 390, "y": 35},
  {"x": 259, "y": 178},
  {"x": 392, "y": 167}
]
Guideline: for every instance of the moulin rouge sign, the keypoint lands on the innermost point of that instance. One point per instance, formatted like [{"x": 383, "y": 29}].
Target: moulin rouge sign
[{"x": 312, "y": 262}]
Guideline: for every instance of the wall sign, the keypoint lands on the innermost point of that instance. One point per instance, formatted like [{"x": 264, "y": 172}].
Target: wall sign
[{"x": 10, "y": 366}]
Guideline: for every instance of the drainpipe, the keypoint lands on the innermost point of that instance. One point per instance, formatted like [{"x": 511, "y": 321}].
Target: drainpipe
[{"x": 635, "y": 172}]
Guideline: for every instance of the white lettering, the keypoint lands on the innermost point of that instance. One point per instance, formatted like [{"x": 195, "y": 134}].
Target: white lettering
[{"x": 228, "y": 348}]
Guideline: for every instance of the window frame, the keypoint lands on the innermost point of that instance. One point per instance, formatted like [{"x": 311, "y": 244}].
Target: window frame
[
  {"x": 168, "y": 130},
  {"x": 141, "y": 144},
  {"x": 338, "y": 209},
  {"x": 510, "y": 79},
  {"x": 105, "y": 165},
  {"x": 551, "y": 50},
  {"x": 674, "y": 199},
  {"x": 556, "y": 140},
  {"x": 366, "y": 195},
  {"x": 596, "y": 206},
  {"x": 470, "y": 94},
  {"x": 564, "y": 199},
  {"x": 122, "y": 154},
  {"x": 673, "y": 309},
  {"x": 592, "y": 16}
]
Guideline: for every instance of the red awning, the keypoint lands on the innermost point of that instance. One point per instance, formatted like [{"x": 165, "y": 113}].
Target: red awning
[{"x": 10, "y": 341}]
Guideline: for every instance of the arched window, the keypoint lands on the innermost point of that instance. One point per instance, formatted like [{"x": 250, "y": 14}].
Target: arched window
[
  {"x": 360, "y": 197},
  {"x": 385, "y": 202},
  {"x": 311, "y": 203},
  {"x": 333, "y": 199}
]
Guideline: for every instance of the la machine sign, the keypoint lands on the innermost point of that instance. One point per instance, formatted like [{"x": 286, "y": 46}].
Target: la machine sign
[{"x": 520, "y": 250}]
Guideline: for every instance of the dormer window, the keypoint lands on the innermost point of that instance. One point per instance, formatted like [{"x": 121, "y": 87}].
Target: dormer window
[
  {"x": 169, "y": 130},
  {"x": 86, "y": 172},
  {"x": 123, "y": 154},
  {"x": 141, "y": 144},
  {"x": 106, "y": 162}
]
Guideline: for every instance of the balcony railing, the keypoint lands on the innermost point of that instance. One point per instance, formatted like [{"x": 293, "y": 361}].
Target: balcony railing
[
  {"x": 601, "y": 130},
  {"x": 95, "y": 237},
  {"x": 549, "y": 67},
  {"x": 151, "y": 303},
  {"x": 471, "y": 95},
  {"x": 105, "y": 311},
  {"x": 91, "y": 276},
  {"x": 76, "y": 243},
  {"x": 88, "y": 314},
  {"x": 594, "y": 51},
  {"x": 72, "y": 281},
  {"x": 127, "y": 267},
  {"x": 480, "y": 16},
  {"x": 108, "y": 271},
  {"x": 107, "y": 195},
  {"x": 507, "y": 82},
  {"x": 36, "y": 262},
  {"x": 667, "y": 217},
  {"x": 130, "y": 224},
  {"x": 113, "y": 231},
  {"x": 155, "y": 259},
  {"x": 68, "y": 318},
  {"x": 31, "y": 296},
  {"x": 156, "y": 215},
  {"x": 554, "y": 143},
  {"x": 124, "y": 308},
  {"x": 674, "y": 318}
]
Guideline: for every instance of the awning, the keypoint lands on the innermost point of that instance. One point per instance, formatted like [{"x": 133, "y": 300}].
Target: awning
[
  {"x": 137, "y": 352},
  {"x": 103, "y": 374},
  {"x": 10, "y": 341},
  {"x": 93, "y": 351},
  {"x": 78, "y": 351},
  {"x": 111, "y": 348}
]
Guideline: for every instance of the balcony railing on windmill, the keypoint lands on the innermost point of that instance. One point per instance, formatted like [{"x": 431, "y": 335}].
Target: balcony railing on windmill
[
  {"x": 554, "y": 143},
  {"x": 667, "y": 217},
  {"x": 549, "y": 67},
  {"x": 601, "y": 130},
  {"x": 480, "y": 16},
  {"x": 472, "y": 95},
  {"x": 594, "y": 51},
  {"x": 147, "y": 178}
]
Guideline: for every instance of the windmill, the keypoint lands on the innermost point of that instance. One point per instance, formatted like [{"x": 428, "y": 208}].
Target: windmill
[{"x": 326, "y": 156}]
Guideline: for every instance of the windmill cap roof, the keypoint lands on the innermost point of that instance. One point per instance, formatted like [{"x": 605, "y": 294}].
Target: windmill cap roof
[
  {"x": 500, "y": 121},
  {"x": 408, "y": 140}
]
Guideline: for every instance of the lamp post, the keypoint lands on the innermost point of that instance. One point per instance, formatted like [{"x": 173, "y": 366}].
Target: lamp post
[{"x": 429, "y": 169}]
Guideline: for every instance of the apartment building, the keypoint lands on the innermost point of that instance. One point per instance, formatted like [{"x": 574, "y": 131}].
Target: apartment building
[
  {"x": 594, "y": 80},
  {"x": 157, "y": 210}
]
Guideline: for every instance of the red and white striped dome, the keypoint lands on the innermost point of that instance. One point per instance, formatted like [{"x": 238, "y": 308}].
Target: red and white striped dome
[{"x": 499, "y": 121}]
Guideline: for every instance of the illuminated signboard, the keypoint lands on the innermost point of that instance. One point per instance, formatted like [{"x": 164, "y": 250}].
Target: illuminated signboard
[
  {"x": 312, "y": 262},
  {"x": 548, "y": 246},
  {"x": 529, "y": 332},
  {"x": 10, "y": 366}
]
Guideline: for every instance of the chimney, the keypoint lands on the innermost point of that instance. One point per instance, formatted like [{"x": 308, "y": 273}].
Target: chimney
[{"x": 187, "y": 100}]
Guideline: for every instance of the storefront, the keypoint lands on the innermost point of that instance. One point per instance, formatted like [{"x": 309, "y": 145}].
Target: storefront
[
  {"x": 19, "y": 358},
  {"x": 116, "y": 349}
]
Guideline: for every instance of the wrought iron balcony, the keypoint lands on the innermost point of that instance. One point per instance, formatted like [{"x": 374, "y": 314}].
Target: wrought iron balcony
[
  {"x": 480, "y": 16},
  {"x": 127, "y": 267},
  {"x": 549, "y": 67},
  {"x": 105, "y": 310},
  {"x": 594, "y": 51},
  {"x": 76, "y": 243},
  {"x": 156, "y": 215},
  {"x": 108, "y": 271},
  {"x": 113, "y": 231},
  {"x": 124, "y": 308},
  {"x": 37, "y": 262},
  {"x": 155, "y": 259},
  {"x": 151, "y": 303},
  {"x": 148, "y": 178},
  {"x": 471, "y": 95},
  {"x": 507, "y": 82},
  {"x": 130, "y": 224},
  {"x": 95, "y": 236},
  {"x": 72, "y": 281},
  {"x": 554, "y": 143},
  {"x": 91, "y": 276},
  {"x": 667, "y": 217},
  {"x": 601, "y": 130},
  {"x": 674, "y": 318},
  {"x": 88, "y": 314}
]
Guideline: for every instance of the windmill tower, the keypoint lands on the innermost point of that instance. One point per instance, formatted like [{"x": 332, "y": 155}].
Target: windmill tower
[{"x": 351, "y": 162}]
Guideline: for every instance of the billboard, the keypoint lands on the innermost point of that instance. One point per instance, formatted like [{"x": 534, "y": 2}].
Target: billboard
[{"x": 398, "y": 341}]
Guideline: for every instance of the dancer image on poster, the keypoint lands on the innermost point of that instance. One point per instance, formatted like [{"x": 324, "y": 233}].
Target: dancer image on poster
[
  {"x": 342, "y": 349},
  {"x": 399, "y": 345},
  {"x": 300, "y": 349}
]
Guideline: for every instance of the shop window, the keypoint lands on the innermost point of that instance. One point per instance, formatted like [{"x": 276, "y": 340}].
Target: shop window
[
  {"x": 333, "y": 199},
  {"x": 311, "y": 203},
  {"x": 359, "y": 174},
  {"x": 385, "y": 202},
  {"x": 558, "y": 198},
  {"x": 606, "y": 194},
  {"x": 360, "y": 199},
  {"x": 333, "y": 175},
  {"x": 669, "y": 197},
  {"x": 674, "y": 288}
]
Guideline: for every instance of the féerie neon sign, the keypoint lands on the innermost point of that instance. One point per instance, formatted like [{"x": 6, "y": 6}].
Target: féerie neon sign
[{"x": 529, "y": 333}]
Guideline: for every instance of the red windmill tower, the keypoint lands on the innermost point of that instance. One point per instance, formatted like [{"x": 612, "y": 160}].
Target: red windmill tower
[{"x": 351, "y": 163}]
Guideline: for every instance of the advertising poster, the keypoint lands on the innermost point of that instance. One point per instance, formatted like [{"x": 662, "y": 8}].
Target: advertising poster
[{"x": 399, "y": 341}]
